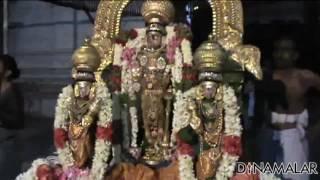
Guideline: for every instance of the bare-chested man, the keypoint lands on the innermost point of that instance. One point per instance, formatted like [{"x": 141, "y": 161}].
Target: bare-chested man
[{"x": 290, "y": 121}]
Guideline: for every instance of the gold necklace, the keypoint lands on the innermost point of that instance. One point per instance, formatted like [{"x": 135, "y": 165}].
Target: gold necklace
[{"x": 79, "y": 110}]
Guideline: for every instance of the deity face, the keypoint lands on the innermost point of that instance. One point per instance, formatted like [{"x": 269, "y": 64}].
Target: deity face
[
  {"x": 285, "y": 53},
  {"x": 83, "y": 88},
  {"x": 154, "y": 39},
  {"x": 209, "y": 89}
]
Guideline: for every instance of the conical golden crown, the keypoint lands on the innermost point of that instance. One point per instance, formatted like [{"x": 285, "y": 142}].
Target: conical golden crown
[
  {"x": 210, "y": 56},
  {"x": 158, "y": 11},
  {"x": 86, "y": 57}
]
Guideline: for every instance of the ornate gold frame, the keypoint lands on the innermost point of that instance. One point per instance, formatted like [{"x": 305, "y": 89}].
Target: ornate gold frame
[{"x": 227, "y": 25}]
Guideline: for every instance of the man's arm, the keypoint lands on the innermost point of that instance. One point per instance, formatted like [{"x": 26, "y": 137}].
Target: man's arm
[{"x": 311, "y": 79}]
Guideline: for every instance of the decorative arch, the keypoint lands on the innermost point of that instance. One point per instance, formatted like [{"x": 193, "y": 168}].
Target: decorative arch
[
  {"x": 227, "y": 19},
  {"x": 107, "y": 27}
]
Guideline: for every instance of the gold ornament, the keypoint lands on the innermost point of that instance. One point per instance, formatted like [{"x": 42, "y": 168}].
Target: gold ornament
[
  {"x": 227, "y": 19},
  {"x": 87, "y": 121},
  {"x": 210, "y": 56},
  {"x": 86, "y": 57},
  {"x": 227, "y": 28},
  {"x": 155, "y": 11},
  {"x": 249, "y": 58}
]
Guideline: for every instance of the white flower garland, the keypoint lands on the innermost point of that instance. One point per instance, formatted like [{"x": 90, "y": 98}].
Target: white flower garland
[
  {"x": 61, "y": 116},
  {"x": 117, "y": 54},
  {"x": 186, "y": 167},
  {"x": 186, "y": 51},
  {"x": 226, "y": 166},
  {"x": 180, "y": 115},
  {"x": 134, "y": 126},
  {"x": 102, "y": 148},
  {"x": 31, "y": 173},
  {"x": 170, "y": 34},
  {"x": 176, "y": 70},
  {"x": 232, "y": 127}
]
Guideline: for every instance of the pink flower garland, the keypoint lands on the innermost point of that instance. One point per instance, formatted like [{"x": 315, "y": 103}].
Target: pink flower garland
[
  {"x": 128, "y": 54},
  {"x": 73, "y": 173},
  {"x": 173, "y": 43}
]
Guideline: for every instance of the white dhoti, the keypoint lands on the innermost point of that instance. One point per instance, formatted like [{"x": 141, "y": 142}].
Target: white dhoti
[{"x": 293, "y": 142}]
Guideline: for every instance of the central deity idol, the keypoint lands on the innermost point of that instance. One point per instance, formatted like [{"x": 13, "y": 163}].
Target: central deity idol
[
  {"x": 151, "y": 63},
  {"x": 151, "y": 78}
]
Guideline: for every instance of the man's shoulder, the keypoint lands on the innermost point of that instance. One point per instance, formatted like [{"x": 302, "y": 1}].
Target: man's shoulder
[
  {"x": 309, "y": 78},
  {"x": 305, "y": 73}
]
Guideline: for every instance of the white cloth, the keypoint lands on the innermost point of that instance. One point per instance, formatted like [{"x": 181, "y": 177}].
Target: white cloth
[{"x": 293, "y": 141}]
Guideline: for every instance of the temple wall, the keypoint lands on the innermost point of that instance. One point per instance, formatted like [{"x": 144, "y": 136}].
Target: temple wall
[{"x": 42, "y": 37}]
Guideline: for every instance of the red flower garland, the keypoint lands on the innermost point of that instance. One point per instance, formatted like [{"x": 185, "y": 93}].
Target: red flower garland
[
  {"x": 189, "y": 76},
  {"x": 104, "y": 133},
  {"x": 120, "y": 41},
  {"x": 232, "y": 145},
  {"x": 60, "y": 137},
  {"x": 133, "y": 34},
  {"x": 173, "y": 43},
  {"x": 45, "y": 172},
  {"x": 184, "y": 148}
]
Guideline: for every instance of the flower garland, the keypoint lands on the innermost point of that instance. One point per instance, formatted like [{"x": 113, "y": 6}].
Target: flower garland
[
  {"x": 61, "y": 129},
  {"x": 103, "y": 132},
  {"x": 232, "y": 135},
  {"x": 186, "y": 51},
  {"x": 42, "y": 167},
  {"x": 31, "y": 174},
  {"x": 231, "y": 138},
  {"x": 186, "y": 167},
  {"x": 134, "y": 122},
  {"x": 180, "y": 115}
]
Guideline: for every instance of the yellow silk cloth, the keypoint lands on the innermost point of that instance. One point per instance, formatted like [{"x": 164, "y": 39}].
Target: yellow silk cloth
[{"x": 127, "y": 171}]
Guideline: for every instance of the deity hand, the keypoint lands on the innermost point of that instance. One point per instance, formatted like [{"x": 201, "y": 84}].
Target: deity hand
[
  {"x": 95, "y": 107},
  {"x": 93, "y": 110},
  {"x": 195, "y": 121},
  {"x": 87, "y": 121}
]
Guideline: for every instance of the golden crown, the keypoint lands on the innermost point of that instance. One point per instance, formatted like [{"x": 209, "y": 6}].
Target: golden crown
[
  {"x": 158, "y": 11},
  {"x": 215, "y": 63},
  {"x": 210, "y": 56},
  {"x": 86, "y": 58}
]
